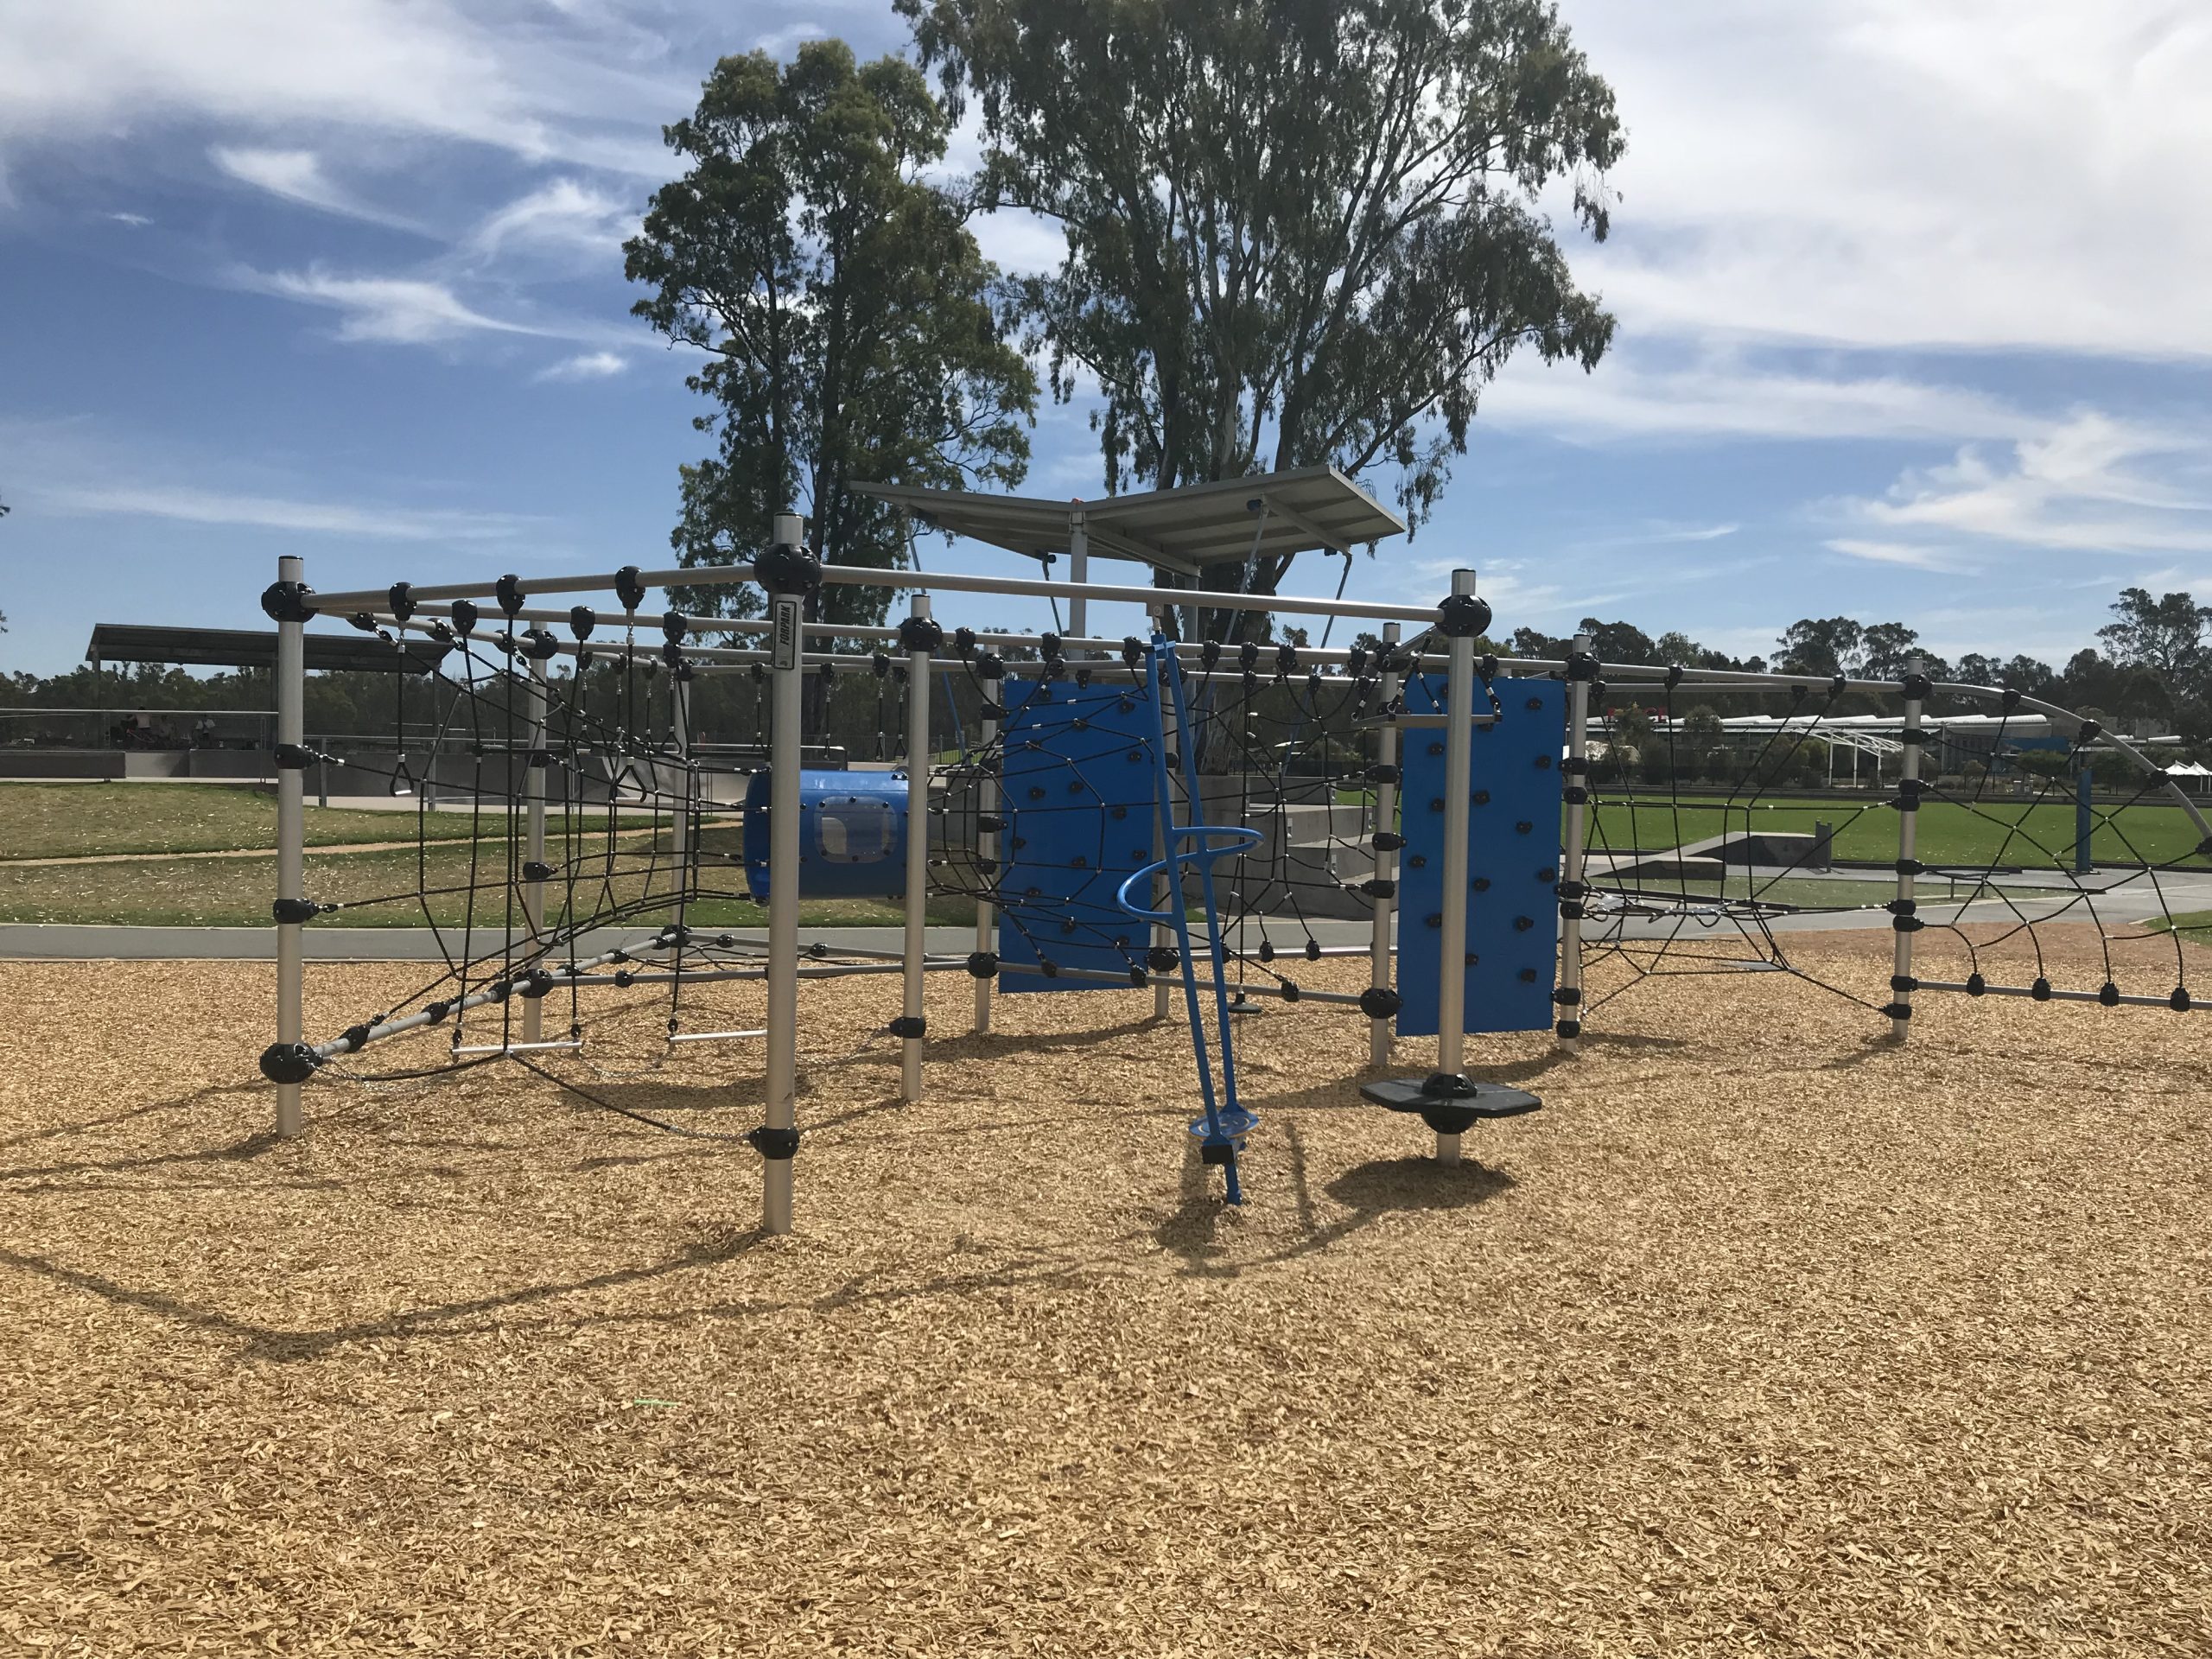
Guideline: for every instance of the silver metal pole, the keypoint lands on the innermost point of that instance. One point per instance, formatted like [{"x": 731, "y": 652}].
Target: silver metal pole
[
  {"x": 786, "y": 739},
  {"x": 533, "y": 887},
  {"x": 291, "y": 842},
  {"x": 1386, "y": 860},
  {"x": 917, "y": 851},
  {"x": 987, "y": 852},
  {"x": 1458, "y": 786},
  {"x": 1572, "y": 860},
  {"x": 1168, "y": 885},
  {"x": 679, "y": 714},
  {"x": 1079, "y": 574},
  {"x": 1902, "y": 918}
]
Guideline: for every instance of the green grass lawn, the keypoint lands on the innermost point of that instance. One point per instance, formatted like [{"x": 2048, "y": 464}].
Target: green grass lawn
[
  {"x": 1951, "y": 832},
  {"x": 41, "y": 820}
]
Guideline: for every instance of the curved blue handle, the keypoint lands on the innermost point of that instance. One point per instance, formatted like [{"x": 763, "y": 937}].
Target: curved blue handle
[{"x": 1244, "y": 838}]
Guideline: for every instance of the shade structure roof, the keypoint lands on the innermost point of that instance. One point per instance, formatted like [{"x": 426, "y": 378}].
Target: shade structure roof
[
  {"x": 1181, "y": 530},
  {"x": 124, "y": 642}
]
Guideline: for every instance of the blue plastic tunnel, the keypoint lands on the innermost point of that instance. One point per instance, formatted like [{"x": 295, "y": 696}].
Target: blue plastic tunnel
[{"x": 851, "y": 835}]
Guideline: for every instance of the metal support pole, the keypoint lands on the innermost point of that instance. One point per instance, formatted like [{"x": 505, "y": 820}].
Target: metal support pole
[
  {"x": 1902, "y": 918},
  {"x": 787, "y": 739},
  {"x": 533, "y": 887},
  {"x": 291, "y": 842},
  {"x": 1168, "y": 885},
  {"x": 987, "y": 852},
  {"x": 2085, "y": 784},
  {"x": 1079, "y": 573},
  {"x": 683, "y": 827},
  {"x": 1458, "y": 787},
  {"x": 1386, "y": 860},
  {"x": 918, "y": 852},
  {"x": 1572, "y": 852}
]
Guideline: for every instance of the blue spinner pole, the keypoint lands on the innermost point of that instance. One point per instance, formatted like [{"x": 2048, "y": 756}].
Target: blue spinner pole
[{"x": 1225, "y": 1124}]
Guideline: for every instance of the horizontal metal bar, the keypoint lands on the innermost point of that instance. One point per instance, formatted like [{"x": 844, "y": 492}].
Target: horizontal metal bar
[
  {"x": 713, "y": 1036},
  {"x": 1176, "y": 981},
  {"x": 2126, "y": 998},
  {"x": 364, "y": 599}
]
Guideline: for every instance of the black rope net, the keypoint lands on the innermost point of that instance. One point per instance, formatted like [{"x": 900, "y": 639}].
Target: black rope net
[{"x": 1689, "y": 875}]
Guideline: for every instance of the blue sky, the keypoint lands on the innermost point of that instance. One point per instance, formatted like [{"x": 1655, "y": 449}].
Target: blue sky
[{"x": 1911, "y": 297}]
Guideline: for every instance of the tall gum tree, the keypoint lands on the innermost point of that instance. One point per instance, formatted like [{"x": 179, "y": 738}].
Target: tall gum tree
[
  {"x": 851, "y": 329},
  {"x": 1297, "y": 231}
]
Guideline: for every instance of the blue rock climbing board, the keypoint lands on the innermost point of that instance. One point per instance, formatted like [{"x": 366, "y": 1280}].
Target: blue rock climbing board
[
  {"x": 1513, "y": 855},
  {"x": 1078, "y": 789}
]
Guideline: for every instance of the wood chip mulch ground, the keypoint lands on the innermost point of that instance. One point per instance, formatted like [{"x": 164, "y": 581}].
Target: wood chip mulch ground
[{"x": 1765, "y": 1337}]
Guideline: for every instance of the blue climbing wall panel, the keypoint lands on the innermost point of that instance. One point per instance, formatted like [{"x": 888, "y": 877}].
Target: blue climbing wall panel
[
  {"x": 1078, "y": 789},
  {"x": 1513, "y": 854}
]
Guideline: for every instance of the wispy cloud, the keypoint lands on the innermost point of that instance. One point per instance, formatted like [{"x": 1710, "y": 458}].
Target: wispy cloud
[
  {"x": 296, "y": 176},
  {"x": 564, "y": 216},
  {"x": 585, "y": 366},
  {"x": 190, "y": 504},
  {"x": 136, "y": 221},
  {"x": 2094, "y": 483},
  {"x": 398, "y": 310},
  {"x": 1898, "y": 553}
]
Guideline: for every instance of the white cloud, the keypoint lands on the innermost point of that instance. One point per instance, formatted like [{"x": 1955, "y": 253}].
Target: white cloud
[
  {"x": 199, "y": 506},
  {"x": 787, "y": 40},
  {"x": 1734, "y": 396},
  {"x": 1899, "y": 553},
  {"x": 296, "y": 176},
  {"x": 391, "y": 309},
  {"x": 1890, "y": 172},
  {"x": 564, "y": 216},
  {"x": 136, "y": 221},
  {"x": 2092, "y": 484},
  {"x": 586, "y": 366}
]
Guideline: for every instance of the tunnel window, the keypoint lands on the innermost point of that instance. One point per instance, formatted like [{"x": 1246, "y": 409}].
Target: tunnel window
[{"x": 853, "y": 830}]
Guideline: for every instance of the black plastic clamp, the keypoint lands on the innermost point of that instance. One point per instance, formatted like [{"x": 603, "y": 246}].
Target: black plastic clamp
[
  {"x": 508, "y": 591},
  {"x": 292, "y": 912},
  {"x": 910, "y": 1025},
  {"x": 401, "y": 598},
  {"x": 1376, "y": 888},
  {"x": 1915, "y": 687},
  {"x": 983, "y": 964},
  {"x": 777, "y": 1146},
  {"x": 1904, "y": 983},
  {"x": 1379, "y": 1002},
  {"x": 1568, "y": 997},
  {"x": 1585, "y": 666},
  {"x": 630, "y": 587},
  {"x": 1569, "y": 1028},
  {"x": 787, "y": 567},
  {"x": 921, "y": 633},
  {"x": 2108, "y": 994},
  {"x": 539, "y": 644},
  {"x": 1898, "y": 1010},
  {"x": 288, "y": 1062},
  {"x": 537, "y": 870},
  {"x": 287, "y": 602},
  {"x": 1462, "y": 616}
]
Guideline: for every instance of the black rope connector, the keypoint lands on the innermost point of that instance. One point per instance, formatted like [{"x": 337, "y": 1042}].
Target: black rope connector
[
  {"x": 401, "y": 598},
  {"x": 1137, "y": 977},
  {"x": 2108, "y": 994},
  {"x": 539, "y": 644},
  {"x": 287, "y": 602},
  {"x": 988, "y": 666},
  {"x": 1907, "y": 795},
  {"x": 464, "y": 617},
  {"x": 2040, "y": 990},
  {"x": 910, "y": 1025},
  {"x": 537, "y": 870},
  {"x": 921, "y": 633},
  {"x": 1387, "y": 840},
  {"x": 293, "y": 757},
  {"x": 2179, "y": 1000},
  {"x": 630, "y": 587},
  {"x": 1898, "y": 1010},
  {"x": 1462, "y": 616},
  {"x": 535, "y": 983},
  {"x": 1575, "y": 795},
  {"x": 293, "y": 912},
  {"x": 2089, "y": 733},
  {"x": 1131, "y": 650},
  {"x": 1163, "y": 959},
  {"x": 1286, "y": 660},
  {"x": 356, "y": 1037},
  {"x": 1906, "y": 925},
  {"x": 1911, "y": 867},
  {"x": 1381, "y": 774},
  {"x": 1290, "y": 991},
  {"x": 777, "y": 1146},
  {"x": 1902, "y": 906},
  {"x": 1583, "y": 666},
  {"x": 1377, "y": 887},
  {"x": 1915, "y": 687},
  {"x": 288, "y": 1062},
  {"x": 581, "y": 621},
  {"x": 787, "y": 567},
  {"x": 674, "y": 626},
  {"x": 983, "y": 964},
  {"x": 1380, "y": 1002},
  {"x": 1569, "y": 1028},
  {"x": 1904, "y": 984},
  {"x": 508, "y": 591},
  {"x": 1568, "y": 997},
  {"x": 1571, "y": 910},
  {"x": 1976, "y": 985}
]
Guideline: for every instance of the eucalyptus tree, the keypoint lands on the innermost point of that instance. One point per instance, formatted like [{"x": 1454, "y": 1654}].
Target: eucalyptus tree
[
  {"x": 1297, "y": 232},
  {"x": 849, "y": 328}
]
